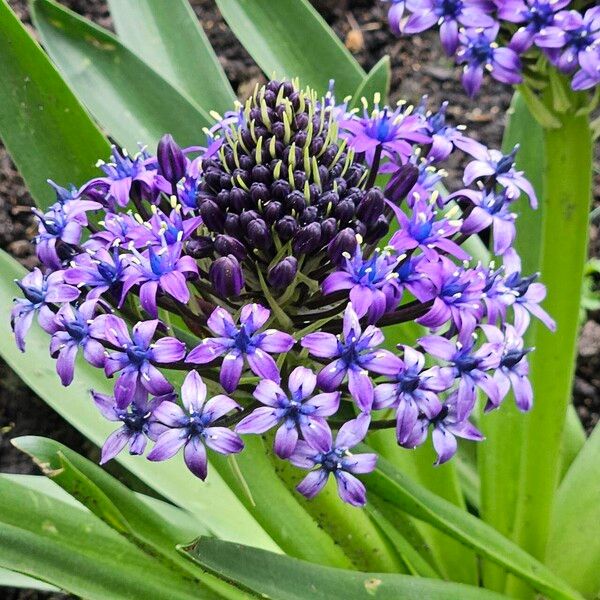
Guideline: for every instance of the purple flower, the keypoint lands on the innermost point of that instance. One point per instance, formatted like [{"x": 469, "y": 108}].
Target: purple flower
[
  {"x": 166, "y": 269},
  {"x": 100, "y": 271},
  {"x": 243, "y": 343},
  {"x": 137, "y": 420},
  {"x": 121, "y": 172},
  {"x": 534, "y": 15},
  {"x": 449, "y": 15},
  {"x": 479, "y": 52},
  {"x": 62, "y": 222},
  {"x": 468, "y": 365},
  {"x": 412, "y": 393},
  {"x": 164, "y": 229},
  {"x": 372, "y": 283},
  {"x": 135, "y": 361},
  {"x": 490, "y": 209},
  {"x": 390, "y": 130},
  {"x": 337, "y": 460},
  {"x": 513, "y": 370},
  {"x": 298, "y": 412},
  {"x": 74, "y": 328},
  {"x": 39, "y": 292},
  {"x": 444, "y": 137},
  {"x": 426, "y": 231},
  {"x": 588, "y": 75},
  {"x": 447, "y": 425},
  {"x": 356, "y": 355},
  {"x": 191, "y": 428},
  {"x": 395, "y": 14},
  {"x": 501, "y": 169},
  {"x": 527, "y": 293},
  {"x": 458, "y": 297},
  {"x": 571, "y": 39}
]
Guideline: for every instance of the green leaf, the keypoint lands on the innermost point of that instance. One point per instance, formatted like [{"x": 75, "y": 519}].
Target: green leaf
[
  {"x": 574, "y": 542},
  {"x": 211, "y": 502},
  {"x": 540, "y": 112},
  {"x": 455, "y": 561},
  {"x": 261, "y": 572},
  {"x": 288, "y": 38},
  {"x": 398, "y": 489},
  {"x": 17, "y": 580},
  {"x": 278, "y": 509},
  {"x": 171, "y": 40},
  {"x": 499, "y": 458},
  {"x": 567, "y": 199},
  {"x": 377, "y": 81},
  {"x": 70, "y": 548},
  {"x": 43, "y": 126},
  {"x": 102, "y": 494},
  {"x": 136, "y": 105}
]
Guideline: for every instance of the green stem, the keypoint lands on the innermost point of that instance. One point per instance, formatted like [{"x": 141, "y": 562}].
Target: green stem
[{"x": 567, "y": 186}]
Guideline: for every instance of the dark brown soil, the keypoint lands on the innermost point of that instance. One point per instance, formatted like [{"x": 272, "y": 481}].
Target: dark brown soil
[{"x": 419, "y": 67}]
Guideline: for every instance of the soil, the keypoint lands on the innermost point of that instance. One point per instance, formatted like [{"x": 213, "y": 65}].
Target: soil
[{"x": 418, "y": 67}]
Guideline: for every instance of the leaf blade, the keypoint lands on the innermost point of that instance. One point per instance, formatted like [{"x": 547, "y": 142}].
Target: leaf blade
[
  {"x": 42, "y": 124},
  {"x": 299, "y": 43},
  {"x": 133, "y": 100}
]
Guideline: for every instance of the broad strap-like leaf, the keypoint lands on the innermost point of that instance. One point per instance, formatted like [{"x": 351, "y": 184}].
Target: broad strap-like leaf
[
  {"x": 377, "y": 81},
  {"x": 272, "y": 576},
  {"x": 288, "y": 38},
  {"x": 169, "y": 38},
  {"x": 72, "y": 549},
  {"x": 398, "y": 489},
  {"x": 212, "y": 502},
  {"x": 574, "y": 543},
  {"x": 130, "y": 100},
  {"x": 42, "y": 124}
]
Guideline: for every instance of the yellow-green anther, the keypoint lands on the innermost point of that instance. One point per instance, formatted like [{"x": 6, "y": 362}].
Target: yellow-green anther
[
  {"x": 253, "y": 131},
  {"x": 291, "y": 177},
  {"x": 272, "y": 147},
  {"x": 223, "y": 161},
  {"x": 241, "y": 183},
  {"x": 302, "y": 102},
  {"x": 315, "y": 171},
  {"x": 307, "y": 191},
  {"x": 287, "y": 131},
  {"x": 279, "y": 98},
  {"x": 309, "y": 134},
  {"x": 236, "y": 157},
  {"x": 264, "y": 114},
  {"x": 306, "y": 161},
  {"x": 339, "y": 154},
  {"x": 349, "y": 160},
  {"x": 292, "y": 155},
  {"x": 258, "y": 151},
  {"x": 277, "y": 169}
]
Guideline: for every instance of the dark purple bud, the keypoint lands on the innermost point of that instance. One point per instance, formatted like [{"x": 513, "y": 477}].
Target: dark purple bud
[
  {"x": 301, "y": 121},
  {"x": 371, "y": 206},
  {"x": 241, "y": 175},
  {"x": 377, "y": 230},
  {"x": 278, "y": 130},
  {"x": 299, "y": 179},
  {"x": 309, "y": 215},
  {"x": 328, "y": 230},
  {"x": 171, "y": 160},
  {"x": 355, "y": 172},
  {"x": 360, "y": 228},
  {"x": 258, "y": 192},
  {"x": 261, "y": 174},
  {"x": 283, "y": 273},
  {"x": 307, "y": 239},
  {"x": 316, "y": 145},
  {"x": 280, "y": 189},
  {"x": 222, "y": 200},
  {"x": 300, "y": 139},
  {"x": 272, "y": 212},
  {"x": 225, "y": 245},
  {"x": 212, "y": 216},
  {"x": 246, "y": 162},
  {"x": 259, "y": 234},
  {"x": 286, "y": 227},
  {"x": 212, "y": 178},
  {"x": 239, "y": 200},
  {"x": 329, "y": 154},
  {"x": 232, "y": 225},
  {"x": 344, "y": 242},
  {"x": 344, "y": 211},
  {"x": 200, "y": 247},
  {"x": 340, "y": 186},
  {"x": 403, "y": 180},
  {"x": 295, "y": 201},
  {"x": 226, "y": 276},
  {"x": 246, "y": 217},
  {"x": 328, "y": 198}
]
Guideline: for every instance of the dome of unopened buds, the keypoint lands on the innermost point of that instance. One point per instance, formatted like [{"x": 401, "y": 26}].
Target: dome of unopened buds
[
  {"x": 282, "y": 182},
  {"x": 256, "y": 268}
]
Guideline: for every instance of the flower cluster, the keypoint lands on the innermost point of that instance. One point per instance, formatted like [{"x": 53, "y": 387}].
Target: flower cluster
[
  {"x": 505, "y": 37},
  {"x": 245, "y": 288}
]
